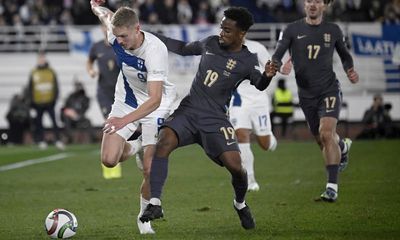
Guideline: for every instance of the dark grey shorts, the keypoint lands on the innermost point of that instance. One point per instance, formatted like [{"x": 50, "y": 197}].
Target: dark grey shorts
[
  {"x": 214, "y": 134},
  {"x": 326, "y": 105}
]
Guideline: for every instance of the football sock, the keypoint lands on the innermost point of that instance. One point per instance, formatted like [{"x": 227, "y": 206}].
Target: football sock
[
  {"x": 143, "y": 204},
  {"x": 155, "y": 201},
  {"x": 239, "y": 206},
  {"x": 332, "y": 173},
  {"x": 247, "y": 160},
  {"x": 158, "y": 175},
  {"x": 239, "y": 183},
  {"x": 333, "y": 186},
  {"x": 273, "y": 143}
]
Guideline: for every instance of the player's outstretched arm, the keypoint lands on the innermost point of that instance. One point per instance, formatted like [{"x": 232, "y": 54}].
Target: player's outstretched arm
[
  {"x": 180, "y": 47},
  {"x": 103, "y": 13}
]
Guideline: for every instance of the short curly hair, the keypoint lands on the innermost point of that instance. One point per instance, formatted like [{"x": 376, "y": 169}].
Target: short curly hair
[{"x": 242, "y": 16}]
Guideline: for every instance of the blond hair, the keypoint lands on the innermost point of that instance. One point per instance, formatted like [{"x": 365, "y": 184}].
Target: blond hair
[{"x": 125, "y": 17}]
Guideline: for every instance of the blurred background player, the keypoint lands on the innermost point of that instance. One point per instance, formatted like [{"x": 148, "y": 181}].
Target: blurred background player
[
  {"x": 143, "y": 95},
  {"x": 311, "y": 42},
  {"x": 249, "y": 112},
  {"x": 107, "y": 72},
  {"x": 43, "y": 95},
  {"x": 282, "y": 102},
  {"x": 202, "y": 115}
]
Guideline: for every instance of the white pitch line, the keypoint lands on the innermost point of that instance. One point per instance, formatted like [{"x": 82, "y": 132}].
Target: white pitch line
[{"x": 34, "y": 161}]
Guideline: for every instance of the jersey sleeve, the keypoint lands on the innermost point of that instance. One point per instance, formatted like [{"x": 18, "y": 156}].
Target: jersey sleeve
[
  {"x": 157, "y": 63},
  {"x": 283, "y": 45},
  {"x": 180, "y": 47},
  {"x": 342, "y": 50}
]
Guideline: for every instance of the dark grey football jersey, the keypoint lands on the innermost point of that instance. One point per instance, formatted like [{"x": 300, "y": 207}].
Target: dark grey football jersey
[
  {"x": 311, "y": 48},
  {"x": 218, "y": 75},
  {"x": 107, "y": 65}
]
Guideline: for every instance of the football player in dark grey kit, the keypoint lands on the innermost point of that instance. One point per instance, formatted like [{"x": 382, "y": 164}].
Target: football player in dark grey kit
[
  {"x": 311, "y": 42},
  {"x": 202, "y": 115}
]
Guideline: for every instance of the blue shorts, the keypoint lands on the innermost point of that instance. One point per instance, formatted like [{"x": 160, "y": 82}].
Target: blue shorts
[{"x": 214, "y": 134}]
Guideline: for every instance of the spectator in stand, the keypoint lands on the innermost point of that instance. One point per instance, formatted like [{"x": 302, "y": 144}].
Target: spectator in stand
[
  {"x": 167, "y": 12},
  {"x": 185, "y": 13},
  {"x": 392, "y": 12},
  {"x": 148, "y": 12},
  {"x": 204, "y": 13}
]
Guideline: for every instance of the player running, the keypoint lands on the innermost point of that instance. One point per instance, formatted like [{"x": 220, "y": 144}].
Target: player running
[{"x": 311, "y": 42}]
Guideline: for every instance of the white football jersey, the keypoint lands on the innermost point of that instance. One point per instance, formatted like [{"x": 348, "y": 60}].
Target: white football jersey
[
  {"x": 147, "y": 63},
  {"x": 246, "y": 94}
]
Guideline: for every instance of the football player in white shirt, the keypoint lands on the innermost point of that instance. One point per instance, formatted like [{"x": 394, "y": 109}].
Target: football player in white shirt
[
  {"x": 249, "y": 112},
  {"x": 143, "y": 95}
]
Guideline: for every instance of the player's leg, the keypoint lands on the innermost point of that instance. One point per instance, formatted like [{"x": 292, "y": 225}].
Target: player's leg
[
  {"x": 112, "y": 148},
  {"x": 232, "y": 161},
  {"x": 166, "y": 143},
  {"x": 243, "y": 137},
  {"x": 105, "y": 102},
  {"x": 148, "y": 152}
]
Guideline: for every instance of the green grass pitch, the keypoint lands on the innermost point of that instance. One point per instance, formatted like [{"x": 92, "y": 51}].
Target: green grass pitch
[{"x": 198, "y": 196}]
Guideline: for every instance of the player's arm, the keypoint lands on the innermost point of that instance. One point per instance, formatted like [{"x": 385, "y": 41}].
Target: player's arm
[
  {"x": 281, "y": 47},
  {"x": 346, "y": 58},
  {"x": 90, "y": 64},
  {"x": 262, "y": 80},
  {"x": 180, "y": 47},
  {"x": 103, "y": 13}
]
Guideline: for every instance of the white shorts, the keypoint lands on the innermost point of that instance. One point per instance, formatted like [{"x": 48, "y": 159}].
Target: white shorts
[
  {"x": 254, "y": 118},
  {"x": 150, "y": 124}
]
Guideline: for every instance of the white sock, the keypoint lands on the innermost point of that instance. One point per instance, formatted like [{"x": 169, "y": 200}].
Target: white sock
[
  {"x": 247, "y": 160},
  {"x": 155, "y": 201},
  {"x": 143, "y": 204},
  {"x": 239, "y": 206},
  {"x": 273, "y": 143},
  {"x": 135, "y": 146},
  {"x": 334, "y": 186}
]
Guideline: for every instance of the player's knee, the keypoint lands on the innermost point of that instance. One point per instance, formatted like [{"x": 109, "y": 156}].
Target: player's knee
[
  {"x": 108, "y": 160},
  {"x": 326, "y": 136}
]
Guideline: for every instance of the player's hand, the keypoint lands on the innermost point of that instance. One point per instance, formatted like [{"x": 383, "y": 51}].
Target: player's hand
[
  {"x": 92, "y": 73},
  {"x": 271, "y": 68},
  {"x": 287, "y": 67},
  {"x": 97, "y": 9},
  {"x": 352, "y": 75},
  {"x": 113, "y": 124}
]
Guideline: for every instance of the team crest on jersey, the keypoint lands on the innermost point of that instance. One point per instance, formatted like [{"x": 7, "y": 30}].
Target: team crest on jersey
[
  {"x": 140, "y": 63},
  {"x": 231, "y": 64},
  {"x": 327, "y": 39}
]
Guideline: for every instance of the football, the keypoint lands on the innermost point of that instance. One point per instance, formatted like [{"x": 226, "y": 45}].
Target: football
[{"x": 61, "y": 223}]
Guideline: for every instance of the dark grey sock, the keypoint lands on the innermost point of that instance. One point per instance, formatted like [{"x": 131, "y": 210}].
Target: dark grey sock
[
  {"x": 158, "y": 175},
  {"x": 239, "y": 183},
  {"x": 332, "y": 173}
]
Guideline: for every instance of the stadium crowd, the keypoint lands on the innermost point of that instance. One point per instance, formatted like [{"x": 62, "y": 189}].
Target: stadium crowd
[{"x": 77, "y": 12}]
